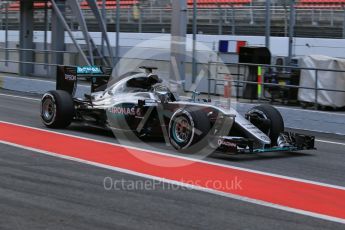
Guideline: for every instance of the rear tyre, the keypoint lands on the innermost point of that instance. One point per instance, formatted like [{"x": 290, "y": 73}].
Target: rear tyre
[
  {"x": 275, "y": 121},
  {"x": 188, "y": 130},
  {"x": 57, "y": 109}
]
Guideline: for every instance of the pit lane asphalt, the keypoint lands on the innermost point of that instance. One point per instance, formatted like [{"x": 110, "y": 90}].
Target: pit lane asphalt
[{"x": 42, "y": 192}]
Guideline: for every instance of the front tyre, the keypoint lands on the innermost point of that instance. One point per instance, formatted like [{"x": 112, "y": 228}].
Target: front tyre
[
  {"x": 188, "y": 130},
  {"x": 274, "y": 124},
  {"x": 57, "y": 109}
]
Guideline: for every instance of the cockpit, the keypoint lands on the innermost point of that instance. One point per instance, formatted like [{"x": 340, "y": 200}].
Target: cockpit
[
  {"x": 134, "y": 86},
  {"x": 137, "y": 82}
]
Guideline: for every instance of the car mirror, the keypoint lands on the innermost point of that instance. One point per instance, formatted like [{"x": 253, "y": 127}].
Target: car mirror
[{"x": 163, "y": 96}]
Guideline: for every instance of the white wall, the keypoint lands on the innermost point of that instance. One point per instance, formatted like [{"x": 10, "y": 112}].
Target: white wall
[{"x": 279, "y": 45}]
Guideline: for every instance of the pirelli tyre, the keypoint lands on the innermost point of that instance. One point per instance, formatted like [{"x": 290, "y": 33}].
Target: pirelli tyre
[
  {"x": 188, "y": 131},
  {"x": 275, "y": 125},
  {"x": 57, "y": 109}
]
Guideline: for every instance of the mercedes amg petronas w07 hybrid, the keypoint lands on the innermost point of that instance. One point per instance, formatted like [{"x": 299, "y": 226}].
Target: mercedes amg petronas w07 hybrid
[{"x": 141, "y": 104}]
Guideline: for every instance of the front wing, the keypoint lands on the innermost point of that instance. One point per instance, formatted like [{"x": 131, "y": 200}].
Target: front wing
[{"x": 238, "y": 145}]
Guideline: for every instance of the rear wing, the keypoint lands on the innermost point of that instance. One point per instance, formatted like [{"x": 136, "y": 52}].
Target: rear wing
[{"x": 67, "y": 77}]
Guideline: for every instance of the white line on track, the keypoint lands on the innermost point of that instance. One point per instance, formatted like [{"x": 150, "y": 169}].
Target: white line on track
[
  {"x": 202, "y": 189},
  {"x": 311, "y": 111},
  {"x": 20, "y": 97},
  {"x": 331, "y": 142},
  {"x": 28, "y": 79}
]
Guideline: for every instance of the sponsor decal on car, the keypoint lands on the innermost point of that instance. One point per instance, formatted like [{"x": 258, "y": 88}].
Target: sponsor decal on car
[
  {"x": 70, "y": 77},
  {"x": 89, "y": 70},
  {"x": 230, "y": 144},
  {"x": 125, "y": 111}
]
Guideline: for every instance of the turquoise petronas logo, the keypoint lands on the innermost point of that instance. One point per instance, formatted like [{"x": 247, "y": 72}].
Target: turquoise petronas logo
[{"x": 89, "y": 70}]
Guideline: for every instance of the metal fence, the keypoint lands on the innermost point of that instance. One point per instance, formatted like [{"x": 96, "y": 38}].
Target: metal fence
[
  {"x": 239, "y": 73},
  {"x": 42, "y": 64},
  {"x": 216, "y": 79}
]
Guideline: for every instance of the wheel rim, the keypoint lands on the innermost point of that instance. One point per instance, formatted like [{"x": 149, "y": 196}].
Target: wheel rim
[
  {"x": 48, "y": 109},
  {"x": 182, "y": 129}
]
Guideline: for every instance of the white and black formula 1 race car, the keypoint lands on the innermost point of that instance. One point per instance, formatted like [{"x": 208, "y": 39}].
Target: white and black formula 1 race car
[{"x": 141, "y": 104}]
